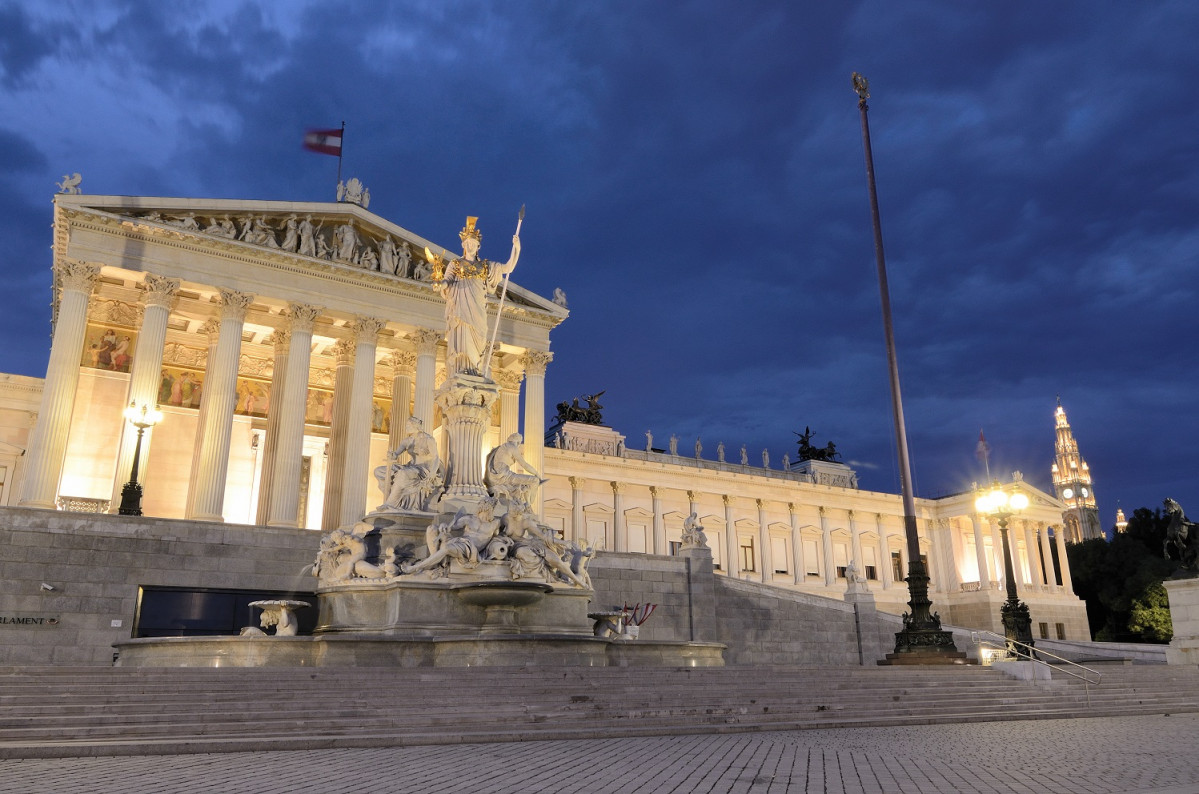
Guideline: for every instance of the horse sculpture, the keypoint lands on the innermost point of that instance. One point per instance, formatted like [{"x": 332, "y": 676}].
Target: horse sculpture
[{"x": 1182, "y": 535}]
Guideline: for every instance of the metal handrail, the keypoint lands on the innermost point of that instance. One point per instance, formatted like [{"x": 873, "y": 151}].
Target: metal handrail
[{"x": 1029, "y": 653}]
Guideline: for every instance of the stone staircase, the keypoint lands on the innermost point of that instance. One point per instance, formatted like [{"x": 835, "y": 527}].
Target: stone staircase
[{"x": 67, "y": 712}]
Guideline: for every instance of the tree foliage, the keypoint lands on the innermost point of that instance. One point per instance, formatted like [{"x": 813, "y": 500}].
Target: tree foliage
[{"x": 1120, "y": 581}]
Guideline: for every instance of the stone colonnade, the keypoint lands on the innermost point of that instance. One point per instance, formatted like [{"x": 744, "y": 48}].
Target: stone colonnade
[
  {"x": 410, "y": 362},
  {"x": 834, "y": 536}
]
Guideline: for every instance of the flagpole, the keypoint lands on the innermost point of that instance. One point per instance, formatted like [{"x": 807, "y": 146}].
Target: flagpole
[
  {"x": 341, "y": 150},
  {"x": 922, "y": 636}
]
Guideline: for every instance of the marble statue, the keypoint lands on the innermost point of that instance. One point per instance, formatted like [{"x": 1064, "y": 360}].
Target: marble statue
[
  {"x": 403, "y": 261},
  {"x": 461, "y": 540},
  {"x": 411, "y": 486},
  {"x": 307, "y": 237},
  {"x": 649, "y": 441},
  {"x": 387, "y": 256},
  {"x": 342, "y": 556},
  {"x": 1182, "y": 535},
  {"x": 699, "y": 448},
  {"x": 277, "y": 613},
  {"x": 720, "y": 452},
  {"x": 369, "y": 259},
  {"x": 465, "y": 282},
  {"x": 538, "y": 551},
  {"x": 559, "y": 297},
  {"x": 354, "y": 192},
  {"x": 291, "y": 234},
  {"x": 70, "y": 184},
  {"x": 503, "y": 477},
  {"x": 765, "y": 459},
  {"x": 346, "y": 241},
  {"x": 674, "y": 444},
  {"x": 693, "y": 533},
  {"x": 744, "y": 456}
]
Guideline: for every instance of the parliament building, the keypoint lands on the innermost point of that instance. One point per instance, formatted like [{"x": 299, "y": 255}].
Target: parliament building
[{"x": 286, "y": 345}]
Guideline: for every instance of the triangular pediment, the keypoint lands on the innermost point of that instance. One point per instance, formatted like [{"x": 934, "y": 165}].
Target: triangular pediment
[{"x": 326, "y": 236}]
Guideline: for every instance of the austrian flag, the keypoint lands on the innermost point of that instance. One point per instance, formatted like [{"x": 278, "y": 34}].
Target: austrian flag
[{"x": 323, "y": 141}]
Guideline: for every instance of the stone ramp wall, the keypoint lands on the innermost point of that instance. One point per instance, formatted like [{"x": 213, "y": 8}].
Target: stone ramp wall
[{"x": 96, "y": 563}]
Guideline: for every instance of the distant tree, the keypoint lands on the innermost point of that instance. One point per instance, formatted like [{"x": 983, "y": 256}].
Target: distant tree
[{"x": 1121, "y": 581}]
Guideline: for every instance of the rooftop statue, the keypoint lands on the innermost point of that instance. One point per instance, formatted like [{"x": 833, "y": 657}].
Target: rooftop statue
[
  {"x": 573, "y": 412},
  {"x": 829, "y": 453},
  {"x": 465, "y": 282},
  {"x": 1183, "y": 535}
]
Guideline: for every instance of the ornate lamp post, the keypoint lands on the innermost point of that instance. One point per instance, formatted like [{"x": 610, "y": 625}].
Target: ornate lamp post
[
  {"x": 1017, "y": 624},
  {"x": 141, "y": 417}
]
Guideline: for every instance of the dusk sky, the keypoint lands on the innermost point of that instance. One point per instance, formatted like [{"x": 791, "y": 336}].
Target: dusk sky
[{"x": 695, "y": 183}]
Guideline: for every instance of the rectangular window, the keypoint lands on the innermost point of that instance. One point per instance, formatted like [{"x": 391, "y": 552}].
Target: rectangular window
[
  {"x": 637, "y": 538},
  {"x": 811, "y": 558},
  {"x": 870, "y": 562},
  {"x": 778, "y": 554},
  {"x": 1044, "y": 629},
  {"x": 675, "y": 545},
  {"x": 840, "y": 559},
  {"x": 897, "y": 566},
  {"x": 747, "y": 554},
  {"x": 205, "y": 611},
  {"x": 1061, "y": 630}
]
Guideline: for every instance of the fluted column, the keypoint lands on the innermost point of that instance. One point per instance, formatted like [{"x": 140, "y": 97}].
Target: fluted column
[
  {"x": 826, "y": 540},
  {"x": 509, "y": 383},
  {"x": 535, "y": 362},
  {"x": 1059, "y": 538},
  {"x": 1036, "y": 573},
  {"x": 281, "y": 339},
  {"x": 798, "y": 574},
  {"x": 47, "y": 447},
  {"x": 425, "y": 341},
  {"x": 660, "y": 546},
  {"x": 285, "y": 491},
  {"x": 884, "y": 552},
  {"x": 997, "y": 547},
  {"x": 343, "y": 385},
  {"x": 216, "y": 409},
  {"x": 358, "y": 428},
  {"x": 577, "y": 528},
  {"x": 211, "y": 330},
  {"x": 403, "y": 363},
  {"x": 620, "y": 533},
  {"x": 855, "y": 543},
  {"x": 1046, "y": 554},
  {"x": 766, "y": 554},
  {"x": 732, "y": 560},
  {"x": 145, "y": 374},
  {"x": 980, "y": 552}
]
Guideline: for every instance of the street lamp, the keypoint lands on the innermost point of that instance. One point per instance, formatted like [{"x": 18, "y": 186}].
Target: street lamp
[
  {"x": 1017, "y": 624},
  {"x": 141, "y": 417}
]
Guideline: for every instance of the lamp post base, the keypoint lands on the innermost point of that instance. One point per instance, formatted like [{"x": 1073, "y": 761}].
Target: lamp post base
[
  {"x": 1017, "y": 627},
  {"x": 922, "y": 640},
  {"x": 131, "y": 499}
]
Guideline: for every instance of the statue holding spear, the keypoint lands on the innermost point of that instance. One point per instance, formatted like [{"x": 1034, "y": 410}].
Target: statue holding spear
[{"x": 465, "y": 282}]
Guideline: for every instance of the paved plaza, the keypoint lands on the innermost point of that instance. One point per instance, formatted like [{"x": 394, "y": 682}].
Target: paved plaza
[{"x": 1119, "y": 754}]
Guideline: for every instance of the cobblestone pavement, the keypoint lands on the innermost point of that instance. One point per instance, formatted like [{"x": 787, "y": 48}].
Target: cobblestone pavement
[{"x": 1124, "y": 754}]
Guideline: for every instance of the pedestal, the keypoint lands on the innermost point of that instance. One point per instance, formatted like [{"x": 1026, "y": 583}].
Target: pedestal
[
  {"x": 1184, "y": 613},
  {"x": 465, "y": 402}
]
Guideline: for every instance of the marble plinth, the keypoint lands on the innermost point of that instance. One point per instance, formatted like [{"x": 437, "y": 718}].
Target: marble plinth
[{"x": 1184, "y": 614}]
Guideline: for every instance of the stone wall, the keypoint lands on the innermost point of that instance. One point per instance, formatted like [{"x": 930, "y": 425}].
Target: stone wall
[{"x": 96, "y": 563}]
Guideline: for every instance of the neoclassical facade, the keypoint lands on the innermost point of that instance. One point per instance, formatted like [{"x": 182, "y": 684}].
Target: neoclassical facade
[{"x": 287, "y": 344}]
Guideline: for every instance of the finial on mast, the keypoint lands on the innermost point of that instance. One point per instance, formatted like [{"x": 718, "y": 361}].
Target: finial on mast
[{"x": 861, "y": 87}]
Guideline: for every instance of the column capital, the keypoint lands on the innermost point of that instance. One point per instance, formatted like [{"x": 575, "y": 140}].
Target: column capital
[
  {"x": 159, "y": 290},
  {"x": 849, "y": 512},
  {"x": 653, "y": 491},
  {"x": 343, "y": 352},
  {"x": 535, "y": 361},
  {"x": 761, "y": 503},
  {"x": 576, "y": 483},
  {"x": 302, "y": 316},
  {"x": 402, "y": 362},
  {"x": 366, "y": 329},
  {"x": 820, "y": 509},
  {"x": 791, "y": 508},
  {"x": 281, "y": 339},
  {"x": 75, "y": 274},
  {"x": 692, "y": 496},
  {"x": 618, "y": 487},
  {"x": 234, "y": 304},
  {"x": 727, "y": 499},
  {"x": 507, "y": 379},
  {"x": 426, "y": 340},
  {"x": 211, "y": 328}
]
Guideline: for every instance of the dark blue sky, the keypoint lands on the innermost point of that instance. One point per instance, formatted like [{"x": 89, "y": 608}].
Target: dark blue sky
[{"x": 695, "y": 183}]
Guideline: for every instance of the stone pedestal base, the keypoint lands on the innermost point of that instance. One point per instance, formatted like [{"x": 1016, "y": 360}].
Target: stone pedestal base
[{"x": 1184, "y": 614}]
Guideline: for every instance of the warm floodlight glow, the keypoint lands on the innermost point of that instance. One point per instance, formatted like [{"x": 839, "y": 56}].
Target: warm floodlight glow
[
  {"x": 142, "y": 416},
  {"x": 1018, "y": 501},
  {"x": 996, "y": 500}
]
